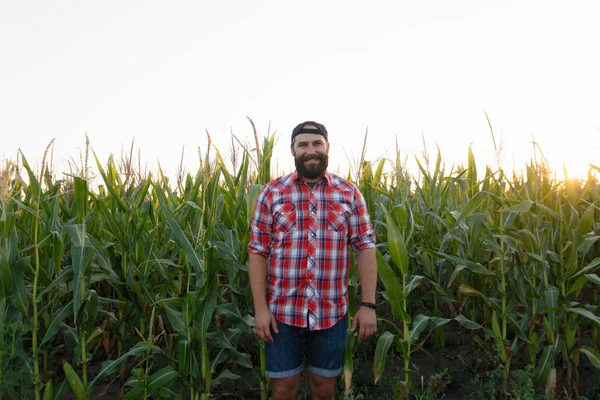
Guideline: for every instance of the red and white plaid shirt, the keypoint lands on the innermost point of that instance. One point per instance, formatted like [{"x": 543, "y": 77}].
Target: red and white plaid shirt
[{"x": 304, "y": 233}]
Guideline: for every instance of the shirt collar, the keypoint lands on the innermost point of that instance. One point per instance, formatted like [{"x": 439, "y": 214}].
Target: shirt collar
[{"x": 297, "y": 178}]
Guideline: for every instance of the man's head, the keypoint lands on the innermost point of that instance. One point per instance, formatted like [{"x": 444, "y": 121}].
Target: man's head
[{"x": 310, "y": 149}]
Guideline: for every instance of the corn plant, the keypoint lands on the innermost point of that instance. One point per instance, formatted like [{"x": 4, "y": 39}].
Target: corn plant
[{"x": 147, "y": 279}]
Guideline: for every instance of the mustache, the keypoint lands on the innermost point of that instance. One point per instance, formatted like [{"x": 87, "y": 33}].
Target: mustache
[{"x": 317, "y": 157}]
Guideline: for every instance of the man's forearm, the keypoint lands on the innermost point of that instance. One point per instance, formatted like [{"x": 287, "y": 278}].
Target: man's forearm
[
  {"x": 366, "y": 266},
  {"x": 257, "y": 271}
]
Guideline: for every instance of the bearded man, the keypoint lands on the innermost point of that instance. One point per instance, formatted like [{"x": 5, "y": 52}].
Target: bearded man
[{"x": 298, "y": 265}]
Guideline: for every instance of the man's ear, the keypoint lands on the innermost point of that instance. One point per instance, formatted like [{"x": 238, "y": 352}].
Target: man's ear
[{"x": 292, "y": 150}]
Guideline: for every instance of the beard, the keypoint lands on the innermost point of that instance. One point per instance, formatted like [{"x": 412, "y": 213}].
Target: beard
[{"x": 312, "y": 171}]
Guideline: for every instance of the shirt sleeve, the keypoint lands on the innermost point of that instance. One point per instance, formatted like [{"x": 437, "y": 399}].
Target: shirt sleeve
[
  {"x": 361, "y": 235},
  {"x": 261, "y": 226}
]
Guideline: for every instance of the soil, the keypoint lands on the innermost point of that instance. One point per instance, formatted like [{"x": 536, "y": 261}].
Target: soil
[{"x": 462, "y": 369}]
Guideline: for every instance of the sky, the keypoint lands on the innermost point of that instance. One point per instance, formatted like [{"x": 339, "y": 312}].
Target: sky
[{"x": 413, "y": 74}]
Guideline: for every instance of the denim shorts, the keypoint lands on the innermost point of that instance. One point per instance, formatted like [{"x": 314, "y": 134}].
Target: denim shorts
[{"x": 324, "y": 350}]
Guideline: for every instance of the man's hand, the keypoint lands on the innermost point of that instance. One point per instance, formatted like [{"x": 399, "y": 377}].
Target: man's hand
[
  {"x": 366, "y": 318},
  {"x": 263, "y": 321}
]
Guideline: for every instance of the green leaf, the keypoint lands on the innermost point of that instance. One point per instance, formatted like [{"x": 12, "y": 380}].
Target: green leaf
[
  {"x": 551, "y": 298},
  {"x": 20, "y": 299},
  {"x": 184, "y": 358},
  {"x": 82, "y": 256},
  {"x": 587, "y": 314},
  {"x": 381, "y": 353},
  {"x": 414, "y": 282},
  {"x": 65, "y": 277},
  {"x": 545, "y": 363},
  {"x": 592, "y": 355},
  {"x": 108, "y": 367},
  {"x": 177, "y": 321},
  {"x": 58, "y": 317},
  {"x": 161, "y": 378},
  {"x": 396, "y": 244},
  {"x": 585, "y": 223},
  {"x": 80, "y": 193},
  {"x": 205, "y": 313},
  {"x": 392, "y": 287},
  {"x": 472, "y": 205},
  {"x": 593, "y": 278},
  {"x": 578, "y": 284},
  {"x": 469, "y": 291},
  {"x": 34, "y": 184},
  {"x": 5, "y": 276},
  {"x": 224, "y": 377},
  {"x": 467, "y": 323},
  {"x": 75, "y": 382},
  {"x": 588, "y": 268},
  {"x": 180, "y": 237},
  {"x": 77, "y": 234},
  {"x": 420, "y": 323},
  {"x": 232, "y": 312},
  {"x": 519, "y": 208},
  {"x": 513, "y": 323},
  {"x": 455, "y": 274},
  {"x": 110, "y": 184},
  {"x": 471, "y": 265}
]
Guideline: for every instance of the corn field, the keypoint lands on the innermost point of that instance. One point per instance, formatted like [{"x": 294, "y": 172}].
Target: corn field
[{"x": 130, "y": 281}]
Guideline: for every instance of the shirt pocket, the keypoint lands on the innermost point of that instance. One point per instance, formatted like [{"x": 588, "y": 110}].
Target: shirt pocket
[
  {"x": 337, "y": 217},
  {"x": 284, "y": 217}
]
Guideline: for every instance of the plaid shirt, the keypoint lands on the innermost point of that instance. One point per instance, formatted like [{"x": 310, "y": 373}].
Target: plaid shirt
[{"x": 304, "y": 233}]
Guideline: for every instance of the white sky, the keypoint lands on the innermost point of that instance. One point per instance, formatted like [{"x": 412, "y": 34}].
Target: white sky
[{"x": 164, "y": 72}]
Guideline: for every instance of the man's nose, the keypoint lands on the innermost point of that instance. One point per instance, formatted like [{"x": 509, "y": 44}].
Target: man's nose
[{"x": 311, "y": 149}]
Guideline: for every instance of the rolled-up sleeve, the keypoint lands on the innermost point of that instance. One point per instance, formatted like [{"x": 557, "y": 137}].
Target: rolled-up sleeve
[
  {"x": 261, "y": 226},
  {"x": 361, "y": 235}
]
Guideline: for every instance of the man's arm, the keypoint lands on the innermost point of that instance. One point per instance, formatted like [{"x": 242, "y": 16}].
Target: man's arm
[
  {"x": 366, "y": 318},
  {"x": 263, "y": 317}
]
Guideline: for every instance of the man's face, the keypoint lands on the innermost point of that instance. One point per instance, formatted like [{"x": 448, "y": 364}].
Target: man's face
[{"x": 310, "y": 153}]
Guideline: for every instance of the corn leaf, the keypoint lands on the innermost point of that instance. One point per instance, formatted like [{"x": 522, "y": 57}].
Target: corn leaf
[
  {"x": 545, "y": 363},
  {"x": 519, "y": 208},
  {"x": 392, "y": 287},
  {"x": 108, "y": 367},
  {"x": 225, "y": 376},
  {"x": 396, "y": 244},
  {"x": 592, "y": 355},
  {"x": 587, "y": 314},
  {"x": 5, "y": 276},
  {"x": 381, "y": 353},
  {"x": 19, "y": 299},
  {"x": 181, "y": 239},
  {"x": 59, "y": 316},
  {"x": 82, "y": 256}
]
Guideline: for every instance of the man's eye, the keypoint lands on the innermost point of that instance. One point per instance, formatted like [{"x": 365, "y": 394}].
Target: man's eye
[{"x": 302, "y": 145}]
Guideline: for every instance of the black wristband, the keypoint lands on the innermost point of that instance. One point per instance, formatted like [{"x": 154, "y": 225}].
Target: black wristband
[{"x": 369, "y": 304}]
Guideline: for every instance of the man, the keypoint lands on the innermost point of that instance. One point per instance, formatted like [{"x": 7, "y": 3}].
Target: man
[{"x": 298, "y": 266}]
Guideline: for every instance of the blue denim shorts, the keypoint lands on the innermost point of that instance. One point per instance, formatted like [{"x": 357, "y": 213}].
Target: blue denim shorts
[{"x": 324, "y": 350}]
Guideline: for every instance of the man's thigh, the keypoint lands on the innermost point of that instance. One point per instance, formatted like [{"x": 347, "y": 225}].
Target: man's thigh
[
  {"x": 284, "y": 356},
  {"x": 326, "y": 350}
]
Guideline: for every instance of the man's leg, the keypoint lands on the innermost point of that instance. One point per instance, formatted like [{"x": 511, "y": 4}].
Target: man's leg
[
  {"x": 285, "y": 388},
  {"x": 325, "y": 354},
  {"x": 284, "y": 361},
  {"x": 321, "y": 388}
]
